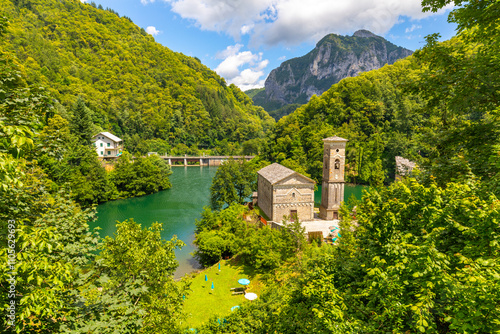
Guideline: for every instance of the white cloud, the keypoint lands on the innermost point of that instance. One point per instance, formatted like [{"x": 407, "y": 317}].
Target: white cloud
[
  {"x": 242, "y": 68},
  {"x": 270, "y": 22},
  {"x": 413, "y": 28},
  {"x": 152, "y": 31},
  {"x": 282, "y": 58}
]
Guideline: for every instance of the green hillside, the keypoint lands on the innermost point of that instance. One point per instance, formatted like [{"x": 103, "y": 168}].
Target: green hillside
[
  {"x": 138, "y": 89},
  {"x": 370, "y": 110}
]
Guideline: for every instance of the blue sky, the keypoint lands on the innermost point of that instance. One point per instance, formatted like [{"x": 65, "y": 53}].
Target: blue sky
[{"x": 243, "y": 40}]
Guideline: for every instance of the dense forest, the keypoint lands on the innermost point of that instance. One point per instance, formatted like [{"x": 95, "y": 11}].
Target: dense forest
[
  {"x": 420, "y": 255},
  {"x": 153, "y": 98},
  {"x": 369, "y": 110}
]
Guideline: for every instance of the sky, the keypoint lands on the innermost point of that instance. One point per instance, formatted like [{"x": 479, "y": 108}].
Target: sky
[{"x": 244, "y": 40}]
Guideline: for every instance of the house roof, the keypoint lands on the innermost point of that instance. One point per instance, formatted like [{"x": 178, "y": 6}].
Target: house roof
[
  {"x": 110, "y": 136},
  {"x": 276, "y": 172},
  {"x": 335, "y": 138}
]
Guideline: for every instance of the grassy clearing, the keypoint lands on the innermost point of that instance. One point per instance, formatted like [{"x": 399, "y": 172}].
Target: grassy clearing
[{"x": 203, "y": 302}]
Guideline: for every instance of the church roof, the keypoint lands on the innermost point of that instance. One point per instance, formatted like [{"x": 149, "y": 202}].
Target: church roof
[
  {"x": 335, "y": 138},
  {"x": 276, "y": 172}
]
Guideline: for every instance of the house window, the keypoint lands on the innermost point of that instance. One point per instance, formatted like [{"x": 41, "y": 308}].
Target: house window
[
  {"x": 102, "y": 153},
  {"x": 109, "y": 152},
  {"x": 109, "y": 144},
  {"x": 293, "y": 215},
  {"x": 101, "y": 144}
]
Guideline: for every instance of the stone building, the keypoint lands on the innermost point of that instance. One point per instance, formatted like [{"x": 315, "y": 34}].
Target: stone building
[
  {"x": 332, "y": 188},
  {"x": 284, "y": 192}
]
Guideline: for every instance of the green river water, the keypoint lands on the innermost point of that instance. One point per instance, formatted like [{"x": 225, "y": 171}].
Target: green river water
[{"x": 177, "y": 208}]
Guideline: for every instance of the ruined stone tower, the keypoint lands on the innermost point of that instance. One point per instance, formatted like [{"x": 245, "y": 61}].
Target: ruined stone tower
[{"x": 332, "y": 193}]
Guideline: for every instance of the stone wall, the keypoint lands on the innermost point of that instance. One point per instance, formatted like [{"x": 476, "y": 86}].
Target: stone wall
[
  {"x": 264, "y": 199},
  {"x": 298, "y": 197}
]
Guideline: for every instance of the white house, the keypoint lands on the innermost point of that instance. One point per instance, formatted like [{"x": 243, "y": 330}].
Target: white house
[{"x": 107, "y": 144}]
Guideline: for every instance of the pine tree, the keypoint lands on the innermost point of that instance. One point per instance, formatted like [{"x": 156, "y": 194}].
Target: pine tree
[{"x": 81, "y": 123}]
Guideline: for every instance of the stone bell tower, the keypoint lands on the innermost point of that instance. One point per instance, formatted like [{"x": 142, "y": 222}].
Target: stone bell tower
[{"x": 332, "y": 193}]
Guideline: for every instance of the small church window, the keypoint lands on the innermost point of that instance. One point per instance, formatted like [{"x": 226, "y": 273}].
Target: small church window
[
  {"x": 337, "y": 150},
  {"x": 337, "y": 164},
  {"x": 293, "y": 195}
]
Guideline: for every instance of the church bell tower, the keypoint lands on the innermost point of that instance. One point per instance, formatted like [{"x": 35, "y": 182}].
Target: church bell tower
[{"x": 332, "y": 193}]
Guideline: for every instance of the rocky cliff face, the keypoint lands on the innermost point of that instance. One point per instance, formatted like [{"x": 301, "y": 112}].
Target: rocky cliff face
[{"x": 334, "y": 58}]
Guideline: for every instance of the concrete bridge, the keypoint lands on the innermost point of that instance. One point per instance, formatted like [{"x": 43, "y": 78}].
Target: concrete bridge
[{"x": 203, "y": 160}]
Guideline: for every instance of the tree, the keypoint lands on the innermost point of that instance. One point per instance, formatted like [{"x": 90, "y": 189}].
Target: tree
[
  {"x": 54, "y": 245},
  {"x": 459, "y": 81},
  {"x": 232, "y": 183},
  {"x": 140, "y": 176},
  {"x": 131, "y": 287},
  {"x": 81, "y": 122}
]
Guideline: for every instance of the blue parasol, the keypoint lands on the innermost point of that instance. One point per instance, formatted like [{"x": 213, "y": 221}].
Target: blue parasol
[
  {"x": 212, "y": 285},
  {"x": 235, "y": 308},
  {"x": 243, "y": 281},
  {"x": 206, "y": 279}
]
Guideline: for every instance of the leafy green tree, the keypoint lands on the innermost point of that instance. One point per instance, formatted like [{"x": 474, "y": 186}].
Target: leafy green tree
[
  {"x": 89, "y": 181},
  {"x": 219, "y": 233},
  {"x": 232, "y": 183},
  {"x": 53, "y": 247},
  {"x": 140, "y": 176},
  {"x": 461, "y": 88},
  {"x": 131, "y": 287}
]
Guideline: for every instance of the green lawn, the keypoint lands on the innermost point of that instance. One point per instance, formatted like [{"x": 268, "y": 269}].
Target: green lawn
[{"x": 203, "y": 302}]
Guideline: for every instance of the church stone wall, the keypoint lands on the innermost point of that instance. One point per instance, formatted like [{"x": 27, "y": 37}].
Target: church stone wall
[
  {"x": 298, "y": 197},
  {"x": 264, "y": 199}
]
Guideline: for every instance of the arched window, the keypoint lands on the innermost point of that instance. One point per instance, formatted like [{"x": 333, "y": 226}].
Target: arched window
[{"x": 337, "y": 164}]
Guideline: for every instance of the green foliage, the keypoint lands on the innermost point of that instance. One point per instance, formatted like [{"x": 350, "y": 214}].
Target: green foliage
[
  {"x": 53, "y": 246},
  {"x": 133, "y": 85},
  {"x": 232, "y": 183},
  {"x": 416, "y": 259},
  {"x": 368, "y": 110},
  {"x": 130, "y": 288},
  {"x": 81, "y": 123},
  {"x": 462, "y": 92},
  {"x": 225, "y": 233},
  {"x": 22, "y": 108},
  {"x": 217, "y": 234},
  {"x": 140, "y": 176}
]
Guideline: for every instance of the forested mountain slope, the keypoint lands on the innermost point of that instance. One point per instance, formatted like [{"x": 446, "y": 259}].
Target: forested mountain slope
[
  {"x": 370, "y": 110},
  {"x": 138, "y": 89}
]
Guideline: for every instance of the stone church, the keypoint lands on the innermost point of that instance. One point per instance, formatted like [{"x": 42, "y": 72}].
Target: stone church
[{"x": 283, "y": 192}]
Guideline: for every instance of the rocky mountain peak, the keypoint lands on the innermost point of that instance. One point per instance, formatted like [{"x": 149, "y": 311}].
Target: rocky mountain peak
[
  {"x": 364, "y": 33},
  {"x": 334, "y": 58}
]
